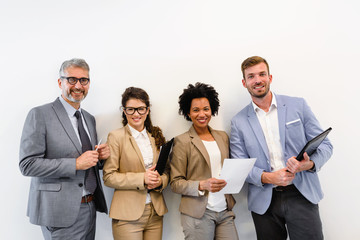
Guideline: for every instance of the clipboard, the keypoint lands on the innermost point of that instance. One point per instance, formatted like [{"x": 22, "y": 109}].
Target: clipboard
[
  {"x": 313, "y": 144},
  {"x": 163, "y": 156}
]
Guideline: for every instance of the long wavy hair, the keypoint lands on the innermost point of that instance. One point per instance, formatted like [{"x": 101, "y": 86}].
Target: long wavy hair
[{"x": 138, "y": 93}]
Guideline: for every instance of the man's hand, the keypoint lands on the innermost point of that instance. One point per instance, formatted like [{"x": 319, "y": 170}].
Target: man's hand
[
  {"x": 103, "y": 150},
  {"x": 295, "y": 166},
  {"x": 280, "y": 177},
  {"x": 212, "y": 185},
  {"x": 152, "y": 178},
  {"x": 87, "y": 160}
]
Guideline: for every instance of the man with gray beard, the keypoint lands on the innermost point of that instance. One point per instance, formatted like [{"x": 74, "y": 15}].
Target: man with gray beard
[{"x": 59, "y": 150}]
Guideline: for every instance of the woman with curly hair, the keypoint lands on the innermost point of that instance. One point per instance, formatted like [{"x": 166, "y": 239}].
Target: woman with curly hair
[
  {"x": 137, "y": 206},
  {"x": 196, "y": 162}
]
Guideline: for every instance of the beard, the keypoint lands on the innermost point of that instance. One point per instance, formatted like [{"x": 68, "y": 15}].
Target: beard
[
  {"x": 259, "y": 95},
  {"x": 69, "y": 97}
]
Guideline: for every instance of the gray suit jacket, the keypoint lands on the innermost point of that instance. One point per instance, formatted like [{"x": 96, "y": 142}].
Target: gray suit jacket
[{"x": 48, "y": 149}]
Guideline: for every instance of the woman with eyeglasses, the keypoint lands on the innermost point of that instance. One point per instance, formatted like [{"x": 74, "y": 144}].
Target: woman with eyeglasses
[
  {"x": 137, "y": 207},
  {"x": 196, "y": 163}
]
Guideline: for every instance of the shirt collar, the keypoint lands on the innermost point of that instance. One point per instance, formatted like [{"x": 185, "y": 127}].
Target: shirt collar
[
  {"x": 135, "y": 133},
  {"x": 69, "y": 109},
  {"x": 272, "y": 105}
]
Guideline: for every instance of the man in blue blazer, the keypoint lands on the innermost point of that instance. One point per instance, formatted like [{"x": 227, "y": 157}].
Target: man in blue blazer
[
  {"x": 58, "y": 151},
  {"x": 283, "y": 193}
]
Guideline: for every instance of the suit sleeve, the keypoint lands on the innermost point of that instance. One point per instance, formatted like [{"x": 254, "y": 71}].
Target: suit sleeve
[
  {"x": 33, "y": 148},
  {"x": 312, "y": 129},
  {"x": 238, "y": 150},
  {"x": 112, "y": 176},
  {"x": 179, "y": 183}
]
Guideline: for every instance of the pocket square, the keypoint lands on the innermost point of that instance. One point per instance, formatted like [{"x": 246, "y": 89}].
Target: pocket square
[{"x": 291, "y": 122}]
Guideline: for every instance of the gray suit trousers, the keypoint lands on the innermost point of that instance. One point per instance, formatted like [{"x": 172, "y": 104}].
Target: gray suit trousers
[
  {"x": 213, "y": 225},
  {"x": 83, "y": 228}
]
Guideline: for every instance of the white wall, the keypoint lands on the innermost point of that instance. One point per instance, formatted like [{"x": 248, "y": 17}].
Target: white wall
[{"x": 161, "y": 46}]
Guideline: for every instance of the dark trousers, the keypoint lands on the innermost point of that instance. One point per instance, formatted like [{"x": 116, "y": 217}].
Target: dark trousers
[{"x": 290, "y": 212}]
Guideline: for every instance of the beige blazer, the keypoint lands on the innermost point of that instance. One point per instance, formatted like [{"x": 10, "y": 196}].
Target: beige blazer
[
  {"x": 124, "y": 171},
  {"x": 190, "y": 163}
]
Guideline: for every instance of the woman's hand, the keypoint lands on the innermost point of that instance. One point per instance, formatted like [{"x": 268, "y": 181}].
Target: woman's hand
[
  {"x": 152, "y": 178},
  {"x": 212, "y": 185}
]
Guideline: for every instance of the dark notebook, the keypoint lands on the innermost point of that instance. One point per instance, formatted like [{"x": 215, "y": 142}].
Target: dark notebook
[
  {"x": 313, "y": 144},
  {"x": 163, "y": 156}
]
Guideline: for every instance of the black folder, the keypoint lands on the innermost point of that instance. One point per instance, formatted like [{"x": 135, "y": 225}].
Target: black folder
[
  {"x": 313, "y": 144},
  {"x": 163, "y": 156}
]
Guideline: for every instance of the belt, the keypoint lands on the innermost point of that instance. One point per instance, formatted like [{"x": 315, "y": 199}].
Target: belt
[
  {"x": 87, "y": 198},
  {"x": 285, "y": 188}
]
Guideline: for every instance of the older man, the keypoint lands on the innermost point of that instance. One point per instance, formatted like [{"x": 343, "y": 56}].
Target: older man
[
  {"x": 59, "y": 150},
  {"x": 283, "y": 192}
]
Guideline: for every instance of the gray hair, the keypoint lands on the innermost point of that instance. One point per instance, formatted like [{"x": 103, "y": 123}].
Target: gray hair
[{"x": 75, "y": 62}]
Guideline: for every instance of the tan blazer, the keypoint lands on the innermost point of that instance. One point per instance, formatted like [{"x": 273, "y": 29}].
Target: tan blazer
[
  {"x": 190, "y": 163},
  {"x": 124, "y": 171}
]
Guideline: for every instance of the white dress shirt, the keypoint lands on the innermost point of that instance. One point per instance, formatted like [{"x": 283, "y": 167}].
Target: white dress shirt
[
  {"x": 144, "y": 144},
  {"x": 270, "y": 126}
]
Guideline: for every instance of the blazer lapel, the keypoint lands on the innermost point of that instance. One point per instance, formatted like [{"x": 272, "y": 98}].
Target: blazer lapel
[
  {"x": 135, "y": 146},
  {"x": 195, "y": 139},
  {"x": 66, "y": 124},
  {"x": 221, "y": 144},
  {"x": 91, "y": 127},
  {"x": 281, "y": 118},
  {"x": 93, "y": 138},
  {"x": 256, "y": 127}
]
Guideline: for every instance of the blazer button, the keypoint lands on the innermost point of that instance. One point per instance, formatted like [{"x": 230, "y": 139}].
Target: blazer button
[{"x": 81, "y": 185}]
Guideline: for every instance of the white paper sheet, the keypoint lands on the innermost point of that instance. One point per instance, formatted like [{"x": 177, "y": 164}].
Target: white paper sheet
[{"x": 234, "y": 172}]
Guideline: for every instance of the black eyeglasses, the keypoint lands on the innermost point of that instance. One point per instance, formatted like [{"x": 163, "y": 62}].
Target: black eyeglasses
[
  {"x": 74, "y": 80},
  {"x": 131, "y": 110}
]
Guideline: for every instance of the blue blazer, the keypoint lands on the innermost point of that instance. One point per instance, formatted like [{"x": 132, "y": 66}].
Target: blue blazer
[{"x": 297, "y": 125}]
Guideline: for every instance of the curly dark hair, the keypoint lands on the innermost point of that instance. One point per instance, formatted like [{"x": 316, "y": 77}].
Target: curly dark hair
[
  {"x": 200, "y": 90},
  {"x": 138, "y": 93}
]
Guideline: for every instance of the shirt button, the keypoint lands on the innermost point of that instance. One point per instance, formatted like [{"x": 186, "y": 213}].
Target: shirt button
[{"x": 80, "y": 185}]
